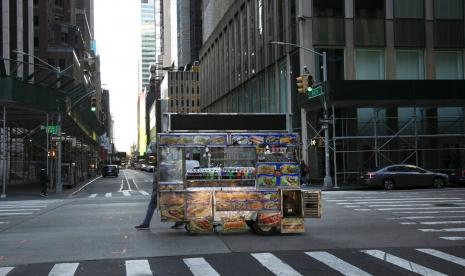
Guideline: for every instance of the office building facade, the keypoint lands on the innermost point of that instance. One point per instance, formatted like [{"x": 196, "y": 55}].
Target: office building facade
[{"x": 180, "y": 92}]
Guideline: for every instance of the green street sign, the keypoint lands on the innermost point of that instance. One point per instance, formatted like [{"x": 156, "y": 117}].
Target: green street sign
[
  {"x": 52, "y": 130},
  {"x": 315, "y": 92}
]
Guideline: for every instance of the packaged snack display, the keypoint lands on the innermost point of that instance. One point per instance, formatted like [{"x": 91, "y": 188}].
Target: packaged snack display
[{"x": 200, "y": 225}]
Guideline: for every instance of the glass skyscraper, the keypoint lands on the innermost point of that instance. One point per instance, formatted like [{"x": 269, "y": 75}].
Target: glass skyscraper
[{"x": 148, "y": 40}]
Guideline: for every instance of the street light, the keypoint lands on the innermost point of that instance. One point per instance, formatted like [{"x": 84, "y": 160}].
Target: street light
[{"x": 327, "y": 180}]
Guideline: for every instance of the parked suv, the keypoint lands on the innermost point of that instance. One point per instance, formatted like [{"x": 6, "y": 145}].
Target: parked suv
[{"x": 108, "y": 170}]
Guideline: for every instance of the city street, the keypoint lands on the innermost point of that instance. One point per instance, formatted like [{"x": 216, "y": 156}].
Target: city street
[{"x": 402, "y": 232}]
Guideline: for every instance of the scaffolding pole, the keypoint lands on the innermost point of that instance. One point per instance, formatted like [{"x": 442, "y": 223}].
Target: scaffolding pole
[{"x": 4, "y": 167}]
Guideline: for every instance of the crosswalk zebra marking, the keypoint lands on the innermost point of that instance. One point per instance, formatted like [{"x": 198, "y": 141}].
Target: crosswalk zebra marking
[
  {"x": 429, "y": 212},
  {"x": 108, "y": 195},
  {"x": 453, "y": 238},
  {"x": 5, "y": 270},
  {"x": 138, "y": 268},
  {"x": 444, "y": 230},
  {"x": 405, "y": 264},
  {"x": 362, "y": 210},
  {"x": 144, "y": 193},
  {"x": 126, "y": 193},
  {"x": 64, "y": 269},
  {"x": 444, "y": 256},
  {"x": 93, "y": 195},
  {"x": 15, "y": 214},
  {"x": 426, "y": 217},
  {"x": 419, "y": 208},
  {"x": 337, "y": 264},
  {"x": 200, "y": 267},
  {"x": 375, "y": 200},
  {"x": 443, "y": 222},
  {"x": 274, "y": 264},
  {"x": 403, "y": 201}
]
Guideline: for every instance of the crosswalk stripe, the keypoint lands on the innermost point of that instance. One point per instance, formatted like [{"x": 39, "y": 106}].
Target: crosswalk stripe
[
  {"x": 419, "y": 208},
  {"x": 426, "y": 217},
  {"x": 64, "y": 269},
  {"x": 396, "y": 199},
  {"x": 405, "y": 264},
  {"x": 22, "y": 206},
  {"x": 453, "y": 238},
  {"x": 275, "y": 265},
  {"x": 5, "y": 270},
  {"x": 337, "y": 264},
  {"x": 444, "y": 230},
  {"x": 443, "y": 222},
  {"x": 93, "y": 195},
  {"x": 352, "y": 206},
  {"x": 18, "y": 210},
  {"x": 4, "y": 222},
  {"x": 108, "y": 195},
  {"x": 444, "y": 256},
  {"x": 362, "y": 210},
  {"x": 138, "y": 268},
  {"x": 460, "y": 201},
  {"x": 200, "y": 267},
  {"x": 14, "y": 214},
  {"x": 403, "y": 205},
  {"x": 429, "y": 212},
  {"x": 126, "y": 193},
  {"x": 144, "y": 193}
]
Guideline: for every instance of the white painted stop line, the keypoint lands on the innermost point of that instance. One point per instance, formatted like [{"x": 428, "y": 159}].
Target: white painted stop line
[
  {"x": 138, "y": 268},
  {"x": 405, "y": 264},
  {"x": 275, "y": 265},
  {"x": 64, "y": 269},
  {"x": 5, "y": 270},
  {"x": 444, "y": 256},
  {"x": 337, "y": 264},
  {"x": 453, "y": 238},
  {"x": 444, "y": 230},
  {"x": 92, "y": 195},
  {"x": 108, "y": 195},
  {"x": 443, "y": 222},
  {"x": 144, "y": 193},
  {"x": 126, "y": 193},
  {"x": 200, "y": 267}
]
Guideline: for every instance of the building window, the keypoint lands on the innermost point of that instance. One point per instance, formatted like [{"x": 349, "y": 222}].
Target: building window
[
  {"x": 328, "y": 8},
  {"x": 271, "y": 91},
  {"x": 409, "y": 65},
  {"x": 448, "y": 9},
  {"x": 369, "y": 8},
  {"x": 409, "y": 9},
  {"x": 449, "y": 65},
  {"x": 36, "y": 20},
  {"x": 283, "y": 87},
  {"x": 369, "y": 64},
  {"x": 36, "y": 42}
]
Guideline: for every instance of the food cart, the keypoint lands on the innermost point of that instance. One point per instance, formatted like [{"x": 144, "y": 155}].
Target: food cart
[{"x": 233, "y": 181}]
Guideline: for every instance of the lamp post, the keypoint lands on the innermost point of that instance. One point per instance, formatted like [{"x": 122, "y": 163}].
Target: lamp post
[{"x": 327, "y": 179}]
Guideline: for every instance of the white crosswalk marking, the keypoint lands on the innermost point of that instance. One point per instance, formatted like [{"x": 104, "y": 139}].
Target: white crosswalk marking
[
  {"x": 453, "y": 238},
  {"x": 144, "y": 193},
  {"x": 444, "y": 230},
  {"x": 374, "y": 200},
  {"x": 403, "y": 201},
  {"x": 200, "y": 267},
  {"x": 362, "y": 210},
  {"x": 126, "y": 193},
  {"x": 275, "y": 265},
  {"x": 64, "y": 269},
  {"x": 93, "y": 195},
  {"x": 15, "y": 214},
  {"x": 429, "y": 212},
  {"x": 419, "y": 208},
  {"x": 5, "y": 270},
  {"x": 444, "y": 256},
  {"x": 138, "y": 268},
  {"x": 428, "y": 217},
  {"x": 337, "y": 264},
  {"x": 405, "y": 264},
  {"x": 443, "y": 222},
  {"x": 108, "y": 195}
]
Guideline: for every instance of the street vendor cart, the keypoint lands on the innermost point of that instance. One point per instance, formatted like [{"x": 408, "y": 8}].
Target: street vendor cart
[{"x": 230, "y": 181}]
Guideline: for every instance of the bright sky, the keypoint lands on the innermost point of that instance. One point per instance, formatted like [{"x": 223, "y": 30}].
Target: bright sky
[{"x": 117, "y": 31}]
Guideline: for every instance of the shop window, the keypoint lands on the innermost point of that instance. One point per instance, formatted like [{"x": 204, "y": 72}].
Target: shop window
[
  {"x": 369, "y": 64},
  {"x": 449, "y": 65},
  {"x": 410, "y": 65}
]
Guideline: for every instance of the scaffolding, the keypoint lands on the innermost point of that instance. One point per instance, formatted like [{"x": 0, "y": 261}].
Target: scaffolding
[{"x": 367, "y": 138}]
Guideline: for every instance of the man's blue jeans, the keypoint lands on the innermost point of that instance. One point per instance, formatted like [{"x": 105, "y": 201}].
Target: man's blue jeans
[{"x": 150, "y": 209}]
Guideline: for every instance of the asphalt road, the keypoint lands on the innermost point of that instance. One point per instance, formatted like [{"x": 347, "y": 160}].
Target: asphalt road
[{"x": 406, "y": 232}]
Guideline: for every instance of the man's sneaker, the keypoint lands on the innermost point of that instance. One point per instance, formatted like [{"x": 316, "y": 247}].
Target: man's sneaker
[{"x": 142, "y": 227}]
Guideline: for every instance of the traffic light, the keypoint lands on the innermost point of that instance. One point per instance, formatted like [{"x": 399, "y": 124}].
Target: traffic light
[
  {"x": 93, "y": 104},
  {"x": 309, "y": 83},
  {"x": 302, "y": 83},
  {"x": 52, "y": 153}
]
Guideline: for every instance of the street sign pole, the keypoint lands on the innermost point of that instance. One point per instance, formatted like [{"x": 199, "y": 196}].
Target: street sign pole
[{"x": 328, "y": 182}]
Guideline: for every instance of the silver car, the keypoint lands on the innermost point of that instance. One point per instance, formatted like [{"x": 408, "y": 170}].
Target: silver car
[{"x": 396, "y": 176}]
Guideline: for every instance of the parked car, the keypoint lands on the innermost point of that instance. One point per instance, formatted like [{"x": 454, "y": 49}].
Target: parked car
[
  {"x": 108, "y": 170},
  {"x": 457, "y": 175},
  {"x": 396, "y": 176}
]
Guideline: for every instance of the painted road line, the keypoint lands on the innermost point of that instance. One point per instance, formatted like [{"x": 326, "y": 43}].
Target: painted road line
[
  {"x": 352, "y": 206},
  {"x": 403, "y": 201},
  {"x": 4, "y": 222},
  {"x": 419, "y": 208},
  {"x": 15, "y": 214},
  {"x": 362, "y": 210},
  {"x": 126, "y": 193},
  {"x": 397, "y": 199},
  {"x": 401, "y": 205},
  {"x": 138, "y": 268},
  {"x": 405, "y": 264},
  {"x": 444, "y": 230},
  {"x": 88, "y": 183},
  {"x": 200, "y": 267},
  {"x": 426, "y": 217},
  {"x": 144, "y": 193},
  {"x": 122, "y": 185},
  {"x": 18, "y": 209},
  {"x": 428, "y": 212},
  {"x": 408, "y": 223},
  {"x": 5, "y": 270},
  {"x": 453, "y": 238},
  {"x": 135, "y": 184},
  {"x": 275, "y": 265},
  {"x": 444, "y": 256},
  {"x": 64, "y": 269},
  {"x": 443, "y": 222},
  {"x": 108, "y": 195},
  {"x": 337, "y": 264},
  {"x": 93, "y": 195},
  {"x": 22, "y": 206}
]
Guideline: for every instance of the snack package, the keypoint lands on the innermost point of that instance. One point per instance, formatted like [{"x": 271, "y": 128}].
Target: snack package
[
  {"x": 171, "y": 198},
  {"x": 172, "y": 213},
  {"x": 269, "y": 218},
  {"x": 199, "y": 211},
  {"x": 203, "y": 197},
  {"x": 201, "y": 226},
  {"x": 233, "y": 224}
]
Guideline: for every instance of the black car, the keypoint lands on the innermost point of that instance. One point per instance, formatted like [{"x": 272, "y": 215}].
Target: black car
[
  {"x": 108, "y": 170},
  {"x": 395, "y": 176}
]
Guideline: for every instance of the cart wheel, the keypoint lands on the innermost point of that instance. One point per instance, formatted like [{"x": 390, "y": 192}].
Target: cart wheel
[{"x": 263, "y": 231}]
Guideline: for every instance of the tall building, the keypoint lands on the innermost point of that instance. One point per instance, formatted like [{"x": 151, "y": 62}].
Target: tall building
[
  {"x": 148, "y": 45},
  {"x": 180, "y": 92},
  {"x": 386, "y": 62}
]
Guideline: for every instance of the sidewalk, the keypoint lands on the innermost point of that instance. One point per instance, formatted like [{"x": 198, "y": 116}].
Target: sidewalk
[
  {"x": 348, "y": 186},
  {"x": 32, "y": 191}
]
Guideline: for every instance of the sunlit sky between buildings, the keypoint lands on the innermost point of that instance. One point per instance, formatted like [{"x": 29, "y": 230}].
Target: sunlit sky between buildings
[{"x": 117, "y": 31}]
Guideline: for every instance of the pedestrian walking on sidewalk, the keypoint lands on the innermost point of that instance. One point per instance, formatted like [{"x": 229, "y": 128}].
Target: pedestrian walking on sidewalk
[
  {"x": 44, "y": 181},
  {"x": 303, "y": 173}
]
